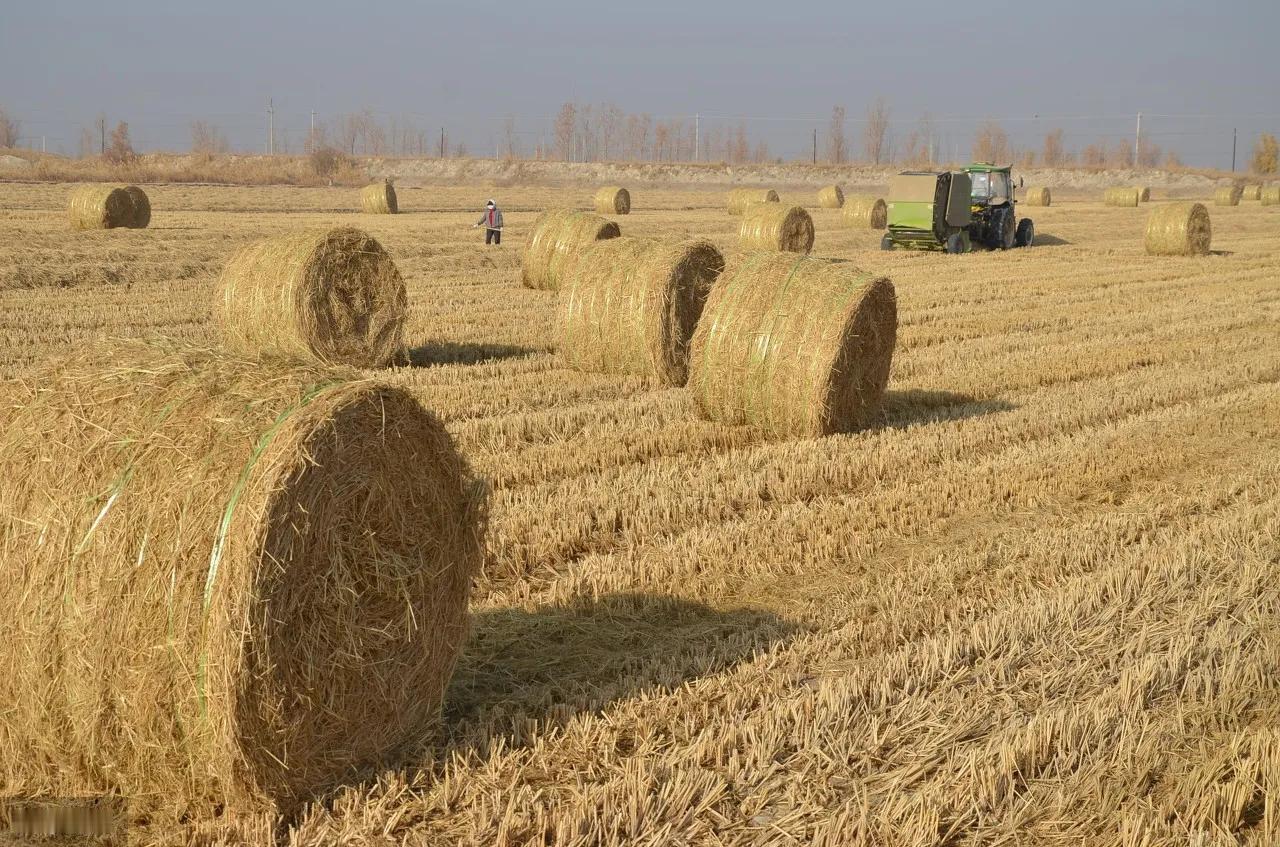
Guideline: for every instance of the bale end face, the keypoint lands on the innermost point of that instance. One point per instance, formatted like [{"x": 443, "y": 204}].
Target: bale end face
[
  {"x": 1179, "y": 229},
  {"x": 770, "y": 226},
  {"x": 140, "y": 208}
]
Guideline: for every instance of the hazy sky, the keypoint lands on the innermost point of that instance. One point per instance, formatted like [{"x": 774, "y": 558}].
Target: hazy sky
[{"x": 1087, "y": 66}]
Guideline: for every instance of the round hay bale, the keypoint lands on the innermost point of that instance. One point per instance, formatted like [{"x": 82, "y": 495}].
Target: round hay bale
[
  {"x": 794, "y": 346},
  {"x": 831, "y": 197},
  {"x": 228, "y": 582},
  {"x": 1251, "y": 192},
  {"x": 1179, "y": 229},
  {"x": 770, "y": 226},
  {"x": 629, "y": 306},
  {"x": 331, "y": 296},
  {"x": 612, "y": 200},
  {"x": 140, "y": 205},
  {"x": 741, "y": 198},
  {"x": 1121, "y": 196},
  {"x": 1270, "y": 195},
  {"x": 1144, "y": 193},
  {"x": 866, "y": 212},
  {"x": 556, "y": 237},
  {"x": 1227, "y": 195},
  {"x": 100, "y": 207},
  {"x": 1039, "y": 197},
  {"x": 379, "y": 199}
]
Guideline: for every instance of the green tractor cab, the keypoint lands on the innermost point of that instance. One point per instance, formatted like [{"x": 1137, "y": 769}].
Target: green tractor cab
[{"x": 953, "y": 211}]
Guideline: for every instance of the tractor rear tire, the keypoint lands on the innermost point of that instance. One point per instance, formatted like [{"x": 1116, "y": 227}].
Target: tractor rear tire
[
  {"x": 1008, "y": 237},
  {"x": 1026, "y": 233},
  {"x": 886, "y": 242},
  {"x": 955, "y": 243}
]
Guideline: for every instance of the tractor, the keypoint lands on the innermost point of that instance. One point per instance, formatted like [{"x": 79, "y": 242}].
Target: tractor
[{"x": 953, "y": 211}]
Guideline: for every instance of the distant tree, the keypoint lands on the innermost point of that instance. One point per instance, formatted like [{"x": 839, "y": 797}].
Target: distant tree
[
  {"x": 1172, "y": 161},
  {"x": 875, "y": 133},
  {"x": 509, "y": 137},
  {"x": 839, "y": 148},
  {"x": 1027, "y": 159},
  {"x": 206, "y": 140},
  {"x": 610, "y": 125},
  {"x": 88, "y": 144},
  {"x": 1052, "y": 154},
  {"x": 119, "y": 147},
  {"x": 1266, "y": 155},
  {"x": 991, "y": 144},
  {"x": 1094, "y": 156},
  {"x": 10, "y": 129},
  {"x": 460, "y": 150},
  {"x": 565, "y": 125},
  {"x": 761, "y": 153},
  {"x": 1148, "y": 153},
  {"x": 1121, "y": 155}
]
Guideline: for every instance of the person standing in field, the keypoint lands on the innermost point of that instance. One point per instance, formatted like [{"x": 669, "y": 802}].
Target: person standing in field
[{"x": 491, "y": 220}]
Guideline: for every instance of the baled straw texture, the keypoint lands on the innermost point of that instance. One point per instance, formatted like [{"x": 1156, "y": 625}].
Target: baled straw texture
[
  {"x": 140, "y": 212},
  {"x": 1251, "y": 192},
  {"x": 379, "y": 198},
  {"x": 831, "y": 197},
  {"x": 557, "y": 236},
  {"x": 866, "y": 212},
  {"x": 1039, "y": 197},
  {"x": 1227, "y": 195},
  {"x": 741, "y": 198},
  {"x": 100, "y": 207},
  {"x": 629, "y": 305},
  {"x": 770, "y": 226},
  {"x": 226, "y": 581},
  {"x": 1121, "y": 197},
  {"x": 612, "y": 200},
  {"x": 1144, "y": 193},
  {"x": 794, "y": 346},
  {"x": 332, "y": 296},
  {"x": 1270, "y": 195},
  {"x": 1179, "y": 229}
]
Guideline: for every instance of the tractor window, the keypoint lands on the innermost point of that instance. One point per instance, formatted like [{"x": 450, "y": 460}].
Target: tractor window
[
  {"x": 981, "y": 185},
  {"x": 999, "y": 185}
]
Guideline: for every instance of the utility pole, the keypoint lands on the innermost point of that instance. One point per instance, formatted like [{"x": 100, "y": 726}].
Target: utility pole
[
  {"x": 441, "y": 142},
  {"x": 697, "y": 138},
  {"x": 1137, "y": 143},
  {"x": 1233, "y": 149},
  {"x": 102, "y": 129},
  {"x": 43, "y": 148},
  {"x": 815, "y": 146},
  {"x": 271, "y": 126}
]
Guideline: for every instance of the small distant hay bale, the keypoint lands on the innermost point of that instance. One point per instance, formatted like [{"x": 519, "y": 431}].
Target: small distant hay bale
[
  {"x": 866, "y": 212},
  {"x": 228, "y": 582},
  {"x": 612, "y": 200},
  {"x": 1227, "y": 195},
  {"x": 770, "y": 226},
  {"x": 1179, "y": 229},
  {"x": 794, "y": 346},
  {"x": 379, "y": 198},
  {"x": 1270, "y": 195},
  {"x": 1251, "y": 192},
  {"x": 629, "y": 306},
  {"x": 1117, "y": 196},
  {"x": 556, "y": 237},
  {"x": 1039, "y": 197},
  {"x": 332, "y": 296},
  {"x": 1144, "y": 193},
  {"x": 831, "y": 197},
  {"x": 100, "y": 207},
  {"x": 140, "y": 215},
  {"x": 741, "y": 198}
]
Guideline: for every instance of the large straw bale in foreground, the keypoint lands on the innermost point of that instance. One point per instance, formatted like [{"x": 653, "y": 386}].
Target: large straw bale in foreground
[
  {"x": 1039, "y": 197},
  {"x": 831, "y": 197},
  {"x": 379, "y": 199},
  {"x": 612, "y": 200},
  {"x": 1227, "y": 195},
  {"x": 794, "y": 345},
  {"x": 1121, "y": 196},
  {"x": 101, "y": 207},
  {"x": 741, "y": 198},
  {"x": 629, "y": 305},
  {"x": 866, "y": 212},
  {"x": 1270, "y": 195},
  {"x": 332, "y": 296},
  {"x": 1179, "y": 229},
  {"x": 225, "y": 581},
  {"x": 770, "y": 226},
  {"x": 555, "y": 239}
]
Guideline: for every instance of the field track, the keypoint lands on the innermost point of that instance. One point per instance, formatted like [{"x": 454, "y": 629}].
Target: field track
[{"x": 1038, "y": 605}]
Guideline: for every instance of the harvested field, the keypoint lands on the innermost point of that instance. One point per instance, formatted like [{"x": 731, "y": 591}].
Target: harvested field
[{"x": 1037, "y": 604}]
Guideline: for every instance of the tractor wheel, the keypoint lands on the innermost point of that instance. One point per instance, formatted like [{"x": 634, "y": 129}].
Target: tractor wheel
[
  {"x": 1026, "y": 233},
  {"x": 955, "y": 243},
  {"x": 1008, "y": 236},
  {"x": 886, "y": 243}
]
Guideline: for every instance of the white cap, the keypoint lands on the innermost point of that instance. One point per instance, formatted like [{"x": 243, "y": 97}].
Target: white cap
[{"x": 490, "y": 203}]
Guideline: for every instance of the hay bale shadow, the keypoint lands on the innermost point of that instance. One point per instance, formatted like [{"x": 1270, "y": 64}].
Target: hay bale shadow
[
  {"x": 1049, "y": 241},
  {"x": 461, "y": 353},
  {"x": 557, "y": 661},
  {"x": 917, "y": 406}
]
